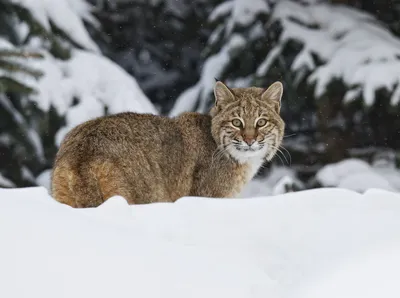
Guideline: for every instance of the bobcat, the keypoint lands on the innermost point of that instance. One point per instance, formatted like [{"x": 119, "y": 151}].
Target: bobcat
[{"x": 146, "y": 158}]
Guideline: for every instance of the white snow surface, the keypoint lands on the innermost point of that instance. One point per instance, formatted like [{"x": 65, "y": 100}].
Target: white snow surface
[
  {"x": 67, "y": 15},
  {"x": 315, "y": 243}
]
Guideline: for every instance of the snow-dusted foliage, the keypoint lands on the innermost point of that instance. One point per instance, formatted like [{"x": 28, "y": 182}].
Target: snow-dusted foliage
[
  {"x": 159, "y": 42},
  {"x": 57, "y": 81},
  {"x": 337, "y": 43},
  {"x": 14, "y": 66},
  {"x": 214, "y": 66},
  {"x": 228, "y": 17},
  {"x": 352, "y": 46},
  {"x": 66, "y": 15},
  {"x": 96, "y": 83}
]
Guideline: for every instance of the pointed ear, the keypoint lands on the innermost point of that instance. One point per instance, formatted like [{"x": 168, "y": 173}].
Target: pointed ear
[
  {"x": 222, "y": 93},
  {"x": 274, "y": 94}
]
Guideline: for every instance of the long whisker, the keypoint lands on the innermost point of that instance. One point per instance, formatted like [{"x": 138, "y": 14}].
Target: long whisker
[
  {"x": 291, "y": 135},
  {"x": 215, "y": 154},
  {"x": 283, "y": 164},
  {"x": 280, "y": 151},
  {"x": 290, "y": 156},
  {"x": 218, "y": 154},
  {"x": 277, "y": 153}
]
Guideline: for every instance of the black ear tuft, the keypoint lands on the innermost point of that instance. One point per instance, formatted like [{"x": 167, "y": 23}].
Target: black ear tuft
[{"x": 216, "y": 79}]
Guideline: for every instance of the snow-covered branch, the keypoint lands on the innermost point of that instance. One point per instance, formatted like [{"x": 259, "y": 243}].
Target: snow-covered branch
[{"x": 352, "y": 45}]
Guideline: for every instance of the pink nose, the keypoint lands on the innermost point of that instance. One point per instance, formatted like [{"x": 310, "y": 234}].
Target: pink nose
[{"x": 249, "y": 140}]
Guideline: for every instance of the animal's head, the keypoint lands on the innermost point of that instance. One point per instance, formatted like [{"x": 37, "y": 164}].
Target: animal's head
[{"x": 246, "y": 121}]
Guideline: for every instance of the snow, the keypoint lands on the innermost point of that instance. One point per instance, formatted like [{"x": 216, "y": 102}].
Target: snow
[
  {"x": 31, "y": 135},
  {"x": 94, "y": 80},
  {"x": 353, "y": 46},
  {"x": 5, "y": 44},
  {"x": 19, "y": 76},
  {"x": 266, "y": 64},
  {"x": 212, "y": 68},
  {"x": 237, "y": 13},
  {"x": 242, "y": 12},
  {"x": 358, "y": 175},
  {"x": 315, "y": 243},
  {"x": 27, "y": 174},
  {"x": 221, "y": 11},
  {"x": 87, "y": 85},
  {"x": 67, "y": 15},
  {"x": 44, "y": 179},
  {"x": 4, "y": 182},
  {"x": 350, "y": 280},
  {"x": 331, "y": 175},
  {"x": 186, "y": 101},
  {"x": 392, "y": 175},
  {"x": 362, "y": 181},
  {"x": 276, "y": 182}
]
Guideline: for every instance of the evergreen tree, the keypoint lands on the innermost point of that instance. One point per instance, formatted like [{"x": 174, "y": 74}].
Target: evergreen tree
[
  {"x": 52, "y": 77},
  {"x": 20, "y": 145},
  {"x": 158, "y": 42}
]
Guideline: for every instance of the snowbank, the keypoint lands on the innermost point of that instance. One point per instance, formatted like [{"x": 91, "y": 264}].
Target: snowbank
[
  {"x": 281, "y": 246},
  {"x": 358, "y": 175}
]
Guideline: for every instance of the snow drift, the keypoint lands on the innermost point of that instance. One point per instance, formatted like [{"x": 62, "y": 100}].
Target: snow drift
[{"x": 316, "y": 243}]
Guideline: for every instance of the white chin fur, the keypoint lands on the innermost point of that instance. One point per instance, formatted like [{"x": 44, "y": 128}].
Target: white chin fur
[
  {"x": 248, "y": 156},
  {"x": 254, "y": 159}
]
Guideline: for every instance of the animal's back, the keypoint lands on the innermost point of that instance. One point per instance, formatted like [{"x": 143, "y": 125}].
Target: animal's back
[{"x": 137, "y": 156}]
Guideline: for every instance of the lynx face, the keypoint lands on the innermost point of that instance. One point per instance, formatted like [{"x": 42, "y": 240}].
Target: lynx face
[{"x": 246, "y": 122}]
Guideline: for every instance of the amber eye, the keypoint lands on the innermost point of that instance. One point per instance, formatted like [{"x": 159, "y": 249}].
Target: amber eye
[
  {"x": 261, "y": 122},
  {"x": 236, "y": 123}
]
